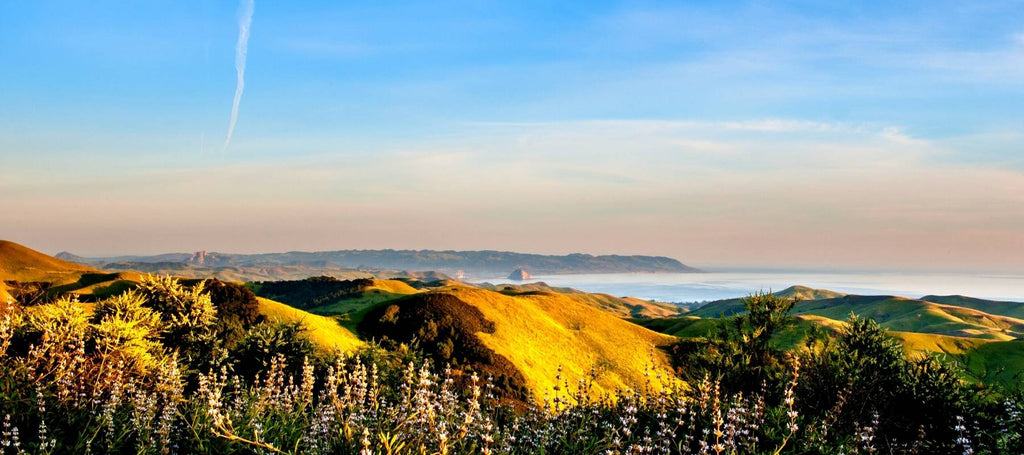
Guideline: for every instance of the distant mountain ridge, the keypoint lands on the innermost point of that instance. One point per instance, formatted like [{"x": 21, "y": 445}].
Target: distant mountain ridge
[{"x": 498, "y": 263}]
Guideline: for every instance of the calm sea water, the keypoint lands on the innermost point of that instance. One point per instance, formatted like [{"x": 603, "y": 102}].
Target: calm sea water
[{"x": 699, "y": 287}]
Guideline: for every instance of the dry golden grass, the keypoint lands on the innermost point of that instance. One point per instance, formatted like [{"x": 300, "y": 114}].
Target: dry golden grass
[
  {"x": 539, "y": 332},
  {"x": 648, "y": 309},
  {"x": 393, "y": 287},
  {"x": 19, "y": 263},
  {"x": 324, "y": 331}
]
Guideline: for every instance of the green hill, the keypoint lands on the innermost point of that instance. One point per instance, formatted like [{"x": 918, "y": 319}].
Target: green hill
[
  {"x": 324, "y": 331},
  {"x": 987, "y": 345},
  {"x": 1012, "y": 309},
  {"x": 911, "y": 315},
  {"x": 896, "y": 313},
  {"x": 729, "y": 307}
]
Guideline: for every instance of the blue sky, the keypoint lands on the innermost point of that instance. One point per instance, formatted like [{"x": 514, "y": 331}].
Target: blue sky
[{"x": 818, "y": 134}]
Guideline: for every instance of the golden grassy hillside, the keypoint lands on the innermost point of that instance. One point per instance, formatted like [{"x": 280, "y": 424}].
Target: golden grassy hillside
[
  {"x": 23, "y": 264},
  {"x": 20, "y": 263},
  {"x": 918, "y": 343},
  {"x": 626, "y": 307},
  {"x": 537, "y": 332},
  {"x": 392, "y": 287},
  {"x": 322, "y": 330},
  {"x": 648, "y": 309}
]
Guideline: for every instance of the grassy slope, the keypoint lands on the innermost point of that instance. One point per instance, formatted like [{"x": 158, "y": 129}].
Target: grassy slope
[
  {"x": 325, "y": 331},
  {"x": 626, "y": 307},
  {"x": 350, "y": 311},
  {"x": 894, "y": 313},
  {"x": 985, "y": 360},
  {"x": 730, "y": 307},
  {"x": 915, "y": 342},
  {"x": 694, "y": 327},
  {"x": 997, "y": 362},
  {"x": 19, "y": 263},
  {"x": 537, "y": 332},
  {"x": 1012, "y": 309},
  {"x": 910, "y": 315}
]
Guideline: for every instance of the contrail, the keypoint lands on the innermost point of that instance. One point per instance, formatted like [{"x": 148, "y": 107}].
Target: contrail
[{"x": 244, "y": 21}]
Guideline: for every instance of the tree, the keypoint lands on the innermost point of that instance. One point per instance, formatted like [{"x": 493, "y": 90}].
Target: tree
[
  {"x": 237, "y": 310},
  {"x": 863, "y": 376},
  {"x": 740, "y": 353}
]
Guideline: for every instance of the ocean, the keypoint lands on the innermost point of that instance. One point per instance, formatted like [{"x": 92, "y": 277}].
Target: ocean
[{"x": 702, "y": 287}]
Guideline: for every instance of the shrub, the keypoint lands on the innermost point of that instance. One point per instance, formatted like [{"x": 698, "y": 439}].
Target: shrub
[
  {"x": 266, "y": 342},
  {"x": 124, "y": 330},
  {"x": 187, "y": 316},
  {"x": 740, "y": 353},
  {"x": 863, "y": 376},
  {"x": 237, "y": 310}
]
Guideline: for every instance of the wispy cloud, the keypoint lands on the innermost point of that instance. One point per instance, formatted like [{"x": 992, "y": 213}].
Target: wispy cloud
[{"x": 241, "y": 49}]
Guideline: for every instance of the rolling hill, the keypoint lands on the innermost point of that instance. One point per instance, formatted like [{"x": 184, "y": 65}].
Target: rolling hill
[
  {"x": 896, "y": 313},
  {"x": 625, "y": 307},
  {"x": 520, "y": 336},
  {"x": 526, "y": 337},
  {"x": 324, "y": 331},
  {"x": 22, "y": 264},
  {"x": 1012, "y": 309},
  {"x": 912, "y": 315},
  {"x": 987, "y": 343},
  {"x": 729, "y": 307}
]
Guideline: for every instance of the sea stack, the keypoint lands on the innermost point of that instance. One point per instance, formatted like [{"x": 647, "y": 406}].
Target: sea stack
[{"x": 519, "y": 274}]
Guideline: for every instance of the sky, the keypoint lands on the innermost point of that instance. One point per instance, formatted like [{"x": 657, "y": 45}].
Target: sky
[{"x": 823, "y": 135}]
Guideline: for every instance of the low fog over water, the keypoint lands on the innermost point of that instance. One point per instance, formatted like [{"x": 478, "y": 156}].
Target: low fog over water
[{"x": 698, "y": 287}]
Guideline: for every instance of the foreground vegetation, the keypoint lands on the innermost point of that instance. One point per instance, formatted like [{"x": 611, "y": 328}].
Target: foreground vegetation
[{"x": 168, "y": 368}]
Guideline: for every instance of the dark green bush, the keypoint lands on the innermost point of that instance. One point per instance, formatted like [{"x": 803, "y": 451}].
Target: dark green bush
[{"x": 261, "y": 344}]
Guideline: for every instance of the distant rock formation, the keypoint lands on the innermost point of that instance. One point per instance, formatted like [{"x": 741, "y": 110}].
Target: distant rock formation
[
  {"x": 198, "y": 257},
  {"x": 519, "y": 275},
  {"x": 204, "y": 258}
]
